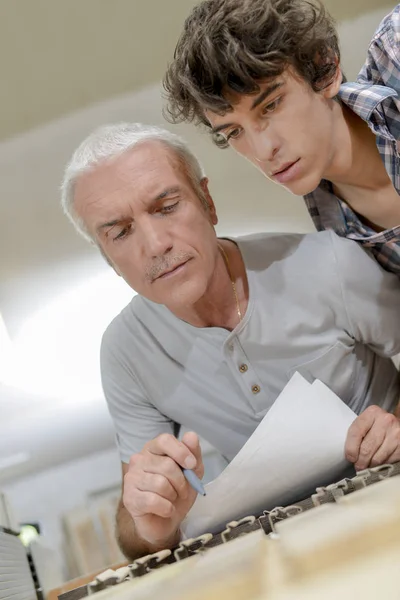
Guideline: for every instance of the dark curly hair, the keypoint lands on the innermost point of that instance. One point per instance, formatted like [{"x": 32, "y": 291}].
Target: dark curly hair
[{"x": 235, "y": 44}]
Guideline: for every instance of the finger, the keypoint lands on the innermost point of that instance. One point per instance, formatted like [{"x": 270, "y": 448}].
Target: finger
[
  {"x": 394, "y": 457},
  {"x": 169, "y": 469},
  {"x": 148, "y": 503},
  {"x": 158, "y": 484},
  {"x": 153, "y": 464},
  {"x": 370, "y": 445},
  {"x": 387, "y": 449},
  {"x": 357, "y": 431},
  {"x": 390, "y": 449},
  {"x": 166, "y": 444},
  {"x": 191, "y": 440}
]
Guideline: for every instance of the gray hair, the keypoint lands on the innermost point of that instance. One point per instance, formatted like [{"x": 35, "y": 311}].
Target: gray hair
[{"x": 110, "y": 141}]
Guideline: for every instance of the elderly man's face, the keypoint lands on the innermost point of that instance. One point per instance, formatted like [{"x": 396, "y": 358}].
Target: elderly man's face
[{"x": 143, "y": 212}]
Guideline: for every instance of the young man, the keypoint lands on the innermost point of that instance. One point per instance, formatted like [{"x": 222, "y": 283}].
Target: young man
[
  {"x": 265, "y": 77},
  {"x": 219, "y": 326}
]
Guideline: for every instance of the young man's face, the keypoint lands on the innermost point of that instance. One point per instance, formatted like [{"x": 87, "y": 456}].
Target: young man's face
[
  {"x": 286, "y": 130},
  {"x": 150, "y": 224}
]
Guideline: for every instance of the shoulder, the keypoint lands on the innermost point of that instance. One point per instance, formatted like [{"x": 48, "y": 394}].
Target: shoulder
[
  {"x": 262, "y": 250},
  {"x": 321, "y": 259},
  {"x": 358, "y": 269},
  {"x": 348, "y": 258},
  {"x": 349, "y": 255}
]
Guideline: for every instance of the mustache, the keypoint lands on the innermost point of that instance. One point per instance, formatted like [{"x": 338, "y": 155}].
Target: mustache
[{"x": 165, "y": 263}]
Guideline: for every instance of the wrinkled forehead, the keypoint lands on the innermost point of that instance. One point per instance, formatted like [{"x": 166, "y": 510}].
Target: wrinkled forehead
[{"x": 148, "y": 165}]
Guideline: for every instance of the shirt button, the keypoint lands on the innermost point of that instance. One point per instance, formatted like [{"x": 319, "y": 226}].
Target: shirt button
[
  {"x": 243, "y": 368},
  {"x": 231, "y": 347},
  {"x": 255, "y": 389}
]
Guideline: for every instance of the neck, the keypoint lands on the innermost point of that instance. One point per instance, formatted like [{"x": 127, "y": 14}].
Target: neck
[
  {"x": 355, "y": 160},
  {"x": 218, "y": 307}
]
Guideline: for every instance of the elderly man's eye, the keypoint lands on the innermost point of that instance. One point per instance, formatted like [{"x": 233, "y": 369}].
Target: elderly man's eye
[
  {"x": 123, "y": 233},
  {"x": 169, "y": 208}
]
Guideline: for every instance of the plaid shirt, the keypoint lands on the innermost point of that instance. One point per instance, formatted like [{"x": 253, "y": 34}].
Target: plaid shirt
[{"x": 373, "y": 97}]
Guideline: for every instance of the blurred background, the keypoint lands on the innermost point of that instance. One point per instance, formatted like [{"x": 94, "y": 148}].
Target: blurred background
[{"x": 66, "y": 68}]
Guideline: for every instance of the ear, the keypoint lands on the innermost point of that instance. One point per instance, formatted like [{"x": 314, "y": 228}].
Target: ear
[
  {"x": 333, "y": 88},
  {"x": 210, "y": 202}
]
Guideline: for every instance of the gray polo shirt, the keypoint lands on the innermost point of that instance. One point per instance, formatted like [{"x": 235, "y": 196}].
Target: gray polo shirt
[{"x": 318, "y": 304}]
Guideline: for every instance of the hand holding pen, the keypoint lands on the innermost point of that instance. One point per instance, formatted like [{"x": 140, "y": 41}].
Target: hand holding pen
[{"x": 161, "y": 485}]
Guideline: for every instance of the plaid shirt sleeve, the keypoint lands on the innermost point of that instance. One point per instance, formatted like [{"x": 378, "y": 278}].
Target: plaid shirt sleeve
[{"x": 382, "y": 66}]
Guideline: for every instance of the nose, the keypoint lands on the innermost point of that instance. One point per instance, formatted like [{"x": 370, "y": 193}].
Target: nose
[
  {"x": 156, "y": 237},
  {"x": 262, "y": 145}
]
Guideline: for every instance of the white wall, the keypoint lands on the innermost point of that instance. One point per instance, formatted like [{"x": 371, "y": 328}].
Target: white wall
[{"x": 43, "y": 497}]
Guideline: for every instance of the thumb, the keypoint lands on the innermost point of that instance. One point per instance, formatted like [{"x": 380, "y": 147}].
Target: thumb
[{"x": 191, "y": 440}]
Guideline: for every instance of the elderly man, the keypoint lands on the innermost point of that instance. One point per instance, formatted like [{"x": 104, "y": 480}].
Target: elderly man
[
  {"x": 218, "y": 326},
  {"x": 264, "y": 76}
]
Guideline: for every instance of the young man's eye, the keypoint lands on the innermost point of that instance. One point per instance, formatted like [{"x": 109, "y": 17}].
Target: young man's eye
[
  {"x": 271, "y": 106},
  {"x": 220, "y": 140},
  {"x": 233, "y": 133}
]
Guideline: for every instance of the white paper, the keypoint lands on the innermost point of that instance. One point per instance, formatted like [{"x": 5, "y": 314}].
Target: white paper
[{"x": 297, "y": 446}]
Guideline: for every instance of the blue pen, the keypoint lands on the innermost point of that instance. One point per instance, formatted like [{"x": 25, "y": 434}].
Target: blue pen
[{"x": 194, "y": 481}]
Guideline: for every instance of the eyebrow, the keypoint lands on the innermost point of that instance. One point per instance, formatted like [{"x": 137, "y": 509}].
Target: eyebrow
[
  {"x": 167, "y": 192},
  {"x": 111, "y": 223},
  {"x": 164, "y": 194},
  {"x": 265, "y": 93},
  {"x": 256, "y": 102}
]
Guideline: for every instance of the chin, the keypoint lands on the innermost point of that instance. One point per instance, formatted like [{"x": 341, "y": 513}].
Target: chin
[
  {"x": 184, "y": 295},
  {"x": 303, "y": 186}
]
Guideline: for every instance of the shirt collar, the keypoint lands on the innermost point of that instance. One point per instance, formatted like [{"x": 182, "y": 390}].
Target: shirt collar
[{"x": 364, "y": 98}]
